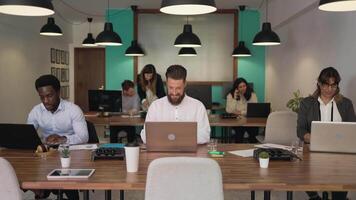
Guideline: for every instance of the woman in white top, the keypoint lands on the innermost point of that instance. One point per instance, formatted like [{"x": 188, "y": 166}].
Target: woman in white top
[{"x": 236, "y": 102}]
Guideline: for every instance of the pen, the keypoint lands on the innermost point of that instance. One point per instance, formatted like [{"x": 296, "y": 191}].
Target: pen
[{"x": 217, "y": 152}]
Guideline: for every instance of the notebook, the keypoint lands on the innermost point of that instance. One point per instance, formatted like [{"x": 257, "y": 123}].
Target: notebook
[
  {"x": 19, "y": 136},
  {"x": 333, "y": 137},
  {"x": 258, "y": 109},
  {"x": 171, "y": 136}
]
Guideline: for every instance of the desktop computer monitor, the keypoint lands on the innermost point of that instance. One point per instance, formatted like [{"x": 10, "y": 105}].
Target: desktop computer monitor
[
  {"x": 200, "y": 92},
  {"x": 105, "y": 100}
]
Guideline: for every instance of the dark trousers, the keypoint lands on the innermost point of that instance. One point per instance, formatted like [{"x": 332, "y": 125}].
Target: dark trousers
[
  {"x": 114, "y": 131},
  {"x": 240, "y": 131},
  {"x": 334, "y": 195}
]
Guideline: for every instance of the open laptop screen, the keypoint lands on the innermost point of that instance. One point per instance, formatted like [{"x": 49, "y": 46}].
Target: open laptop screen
[{"x": 19, "y": 136}]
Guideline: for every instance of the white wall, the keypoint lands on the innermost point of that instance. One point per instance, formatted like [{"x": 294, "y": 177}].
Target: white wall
[
  {"x": 24, "y": 56},
  {"x": 311, "y": 40}
]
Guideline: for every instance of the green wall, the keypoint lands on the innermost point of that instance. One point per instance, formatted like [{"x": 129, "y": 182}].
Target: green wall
[
  {"x": 252, "y": 68},
  {"x": 118, "y": 66}
]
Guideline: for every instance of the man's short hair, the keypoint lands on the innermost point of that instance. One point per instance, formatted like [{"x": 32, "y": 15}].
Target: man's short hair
[
  {"x": 48, "y": 80},
  {"x": 176, "y": 72},
  {"x": 127, "y": 84}
]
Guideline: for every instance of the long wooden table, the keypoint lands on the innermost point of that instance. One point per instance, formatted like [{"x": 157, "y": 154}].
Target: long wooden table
[
  {"x": 214, "y": 120},
  {"x": 318, "y": 171}
]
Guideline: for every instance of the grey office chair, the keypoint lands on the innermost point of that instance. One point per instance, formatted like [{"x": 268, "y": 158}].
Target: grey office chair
[
  {"x": 281, "y": 128},
  {"x": 10, "y": 188},
  {"x": 188, "y": 178}
]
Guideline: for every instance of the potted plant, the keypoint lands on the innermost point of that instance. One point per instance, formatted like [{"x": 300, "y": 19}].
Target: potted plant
[
  {"x": 65, "y": 157},
  {"x": 264, "y": 159},
  {"x": 294, "y": 103}
]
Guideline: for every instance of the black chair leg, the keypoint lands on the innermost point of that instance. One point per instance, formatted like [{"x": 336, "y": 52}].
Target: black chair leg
[
  {"x": 267, "y": 195},
  {"x": 325, "y": 196},
  {"x": 122, "y": 194},
  {"x": 107, "y": 194},
  {"x": 253, "y": 195},
  {"x": 289, "y": 195}
]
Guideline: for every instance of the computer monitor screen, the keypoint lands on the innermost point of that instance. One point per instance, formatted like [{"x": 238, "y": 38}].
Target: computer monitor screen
[
  {"x": 200, "y": 92},
  {"x": 105, "y": 100}
]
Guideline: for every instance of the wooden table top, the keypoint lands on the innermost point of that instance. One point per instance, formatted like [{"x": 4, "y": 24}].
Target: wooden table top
[
  {"x": 318, "y": 171},
  {"x": 214, "y": 120}
]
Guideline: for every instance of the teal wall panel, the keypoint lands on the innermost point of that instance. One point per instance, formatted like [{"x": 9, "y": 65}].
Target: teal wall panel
[{"x": 118, "y": 66}]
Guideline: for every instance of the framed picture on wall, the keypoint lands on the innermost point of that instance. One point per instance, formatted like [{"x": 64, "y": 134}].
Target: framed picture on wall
[
  {"x": 63, "y": 57},
  {"x": 53, "y": 55},
  {"x": 58, "y": 56},
  {"x": 64, "y": 75},
  {"x": 67, "y": 58},
  {"x": 65, "y": 92},
  {"x": 58, "y": 73},
  {"x": 54, "y": 71}
]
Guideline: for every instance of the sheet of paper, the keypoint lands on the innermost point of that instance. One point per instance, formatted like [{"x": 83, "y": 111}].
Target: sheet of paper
[
  {"x": 243, "y": 153},
  {"x": 83, "y": 147},
  {"x": 270, "y": 145}
]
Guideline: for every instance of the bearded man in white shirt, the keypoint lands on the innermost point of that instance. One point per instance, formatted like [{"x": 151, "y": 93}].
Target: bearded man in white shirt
[{"x": 179, "y": 107}]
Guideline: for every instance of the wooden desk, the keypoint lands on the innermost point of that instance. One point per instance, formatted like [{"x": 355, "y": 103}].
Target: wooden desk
[
  {"x": 318, "y": 171},
  {"x": 214, "y": 120}
]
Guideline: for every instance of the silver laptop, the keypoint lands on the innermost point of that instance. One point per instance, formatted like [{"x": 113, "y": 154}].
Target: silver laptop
[
  {"x": 337, "y": 137},
  {"x": 171, "y": 136}
]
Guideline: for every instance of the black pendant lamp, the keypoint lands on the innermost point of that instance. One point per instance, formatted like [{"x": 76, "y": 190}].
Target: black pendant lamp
[
  {"x": 51, "y": 29},
  {"x": 108, "y": 37},
  {"x": 187, "y": 51},
  {"x": 188, "y": 7},
  {"x": 134, "y": 49},
  {"x": 241, "y": 50},
  {"x": 27, "y": 7},
  {"x": 187, "y": 38},
  {"x": 337, "y": 5},
  {"x": 89, "y": 41},
  {"x": 266, "y": 37}
]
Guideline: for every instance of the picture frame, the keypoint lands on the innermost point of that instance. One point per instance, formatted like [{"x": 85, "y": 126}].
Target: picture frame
[
  {"x": 65, "y": 92},
  {"x": 64, "y": 75},
  {"x": 58, "y": 56},
  {"x": 53, "y": 55},
  {"x": 58, "y": 73},
  {"x": 54, "y": 71},
  {"x": 63, "y": 57}
]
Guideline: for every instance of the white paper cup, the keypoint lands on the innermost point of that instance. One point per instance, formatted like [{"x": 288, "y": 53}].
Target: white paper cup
[
  {"x": 264, "y": 162},
  {"x": 132, "y": 155}
]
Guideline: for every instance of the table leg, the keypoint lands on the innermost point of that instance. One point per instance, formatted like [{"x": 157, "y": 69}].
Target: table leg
[
  {"x": 86, "y": 194},
  {"x": 289, "y": 195},
  {"x": 122, "y": 194},
  {"x": 252, "y": 195},
  {"x": 107, "y": 194},
  {"x": 267, "y": 195}
]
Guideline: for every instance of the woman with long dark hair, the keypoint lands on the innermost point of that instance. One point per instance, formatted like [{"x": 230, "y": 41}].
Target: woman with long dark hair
[
  {"x": 236, "y": 102},
  {"x": 149, "y": 86}
]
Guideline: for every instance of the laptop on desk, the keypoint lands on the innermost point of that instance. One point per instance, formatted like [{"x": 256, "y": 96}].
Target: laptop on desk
[
  {"x": 258, "y": 109},
  {"x": 19, "y": 136},
  {"x": 336, "y": 137},
  {"x": 171, "y": 136}
]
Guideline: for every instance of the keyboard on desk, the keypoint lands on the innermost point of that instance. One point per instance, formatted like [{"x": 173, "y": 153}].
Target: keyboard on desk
[{"x": 228, "y": 116}]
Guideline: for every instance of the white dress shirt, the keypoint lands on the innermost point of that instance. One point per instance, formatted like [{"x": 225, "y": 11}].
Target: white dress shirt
[
  {"x": 68, "y": 120},
  {"x": 325, "y": 111},
  {"x": 189, "y": 110}
]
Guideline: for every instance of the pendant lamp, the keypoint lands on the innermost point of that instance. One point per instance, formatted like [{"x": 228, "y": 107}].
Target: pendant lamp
[
  {"x": 266, "y": 37},
  {"x": 337, "y": 5},
  {"x": 241, "y": 50},
  {"x": 188, "y": 7},
  {"x": 27, "y": 7},
  {"x": 187, "y": 51},
  {"x": 89, "y": 41},
  {"x": 187, "y": 38},
  {"x": 51, "y": 29},
  {"x": 108, "y": 37},
  {"x": 134, "y": 49}
]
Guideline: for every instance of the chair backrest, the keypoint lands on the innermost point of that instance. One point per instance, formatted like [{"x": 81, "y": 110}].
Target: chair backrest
[
  {"x": 10, "y": 188},
  {"x": 187, "y": 178},
  {"x": 93, "y": 137},
  {"x": 281, "y": 127}
]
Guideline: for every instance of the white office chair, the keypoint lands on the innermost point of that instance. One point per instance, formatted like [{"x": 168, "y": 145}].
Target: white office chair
[
  {"x": 10, "y": 188},
  {"x": 184, "y": 178},
  {"x": 281, "y": 128}
]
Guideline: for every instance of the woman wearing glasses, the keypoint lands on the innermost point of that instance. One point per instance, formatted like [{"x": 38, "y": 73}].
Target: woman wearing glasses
[{"x": 326, "y": 104}]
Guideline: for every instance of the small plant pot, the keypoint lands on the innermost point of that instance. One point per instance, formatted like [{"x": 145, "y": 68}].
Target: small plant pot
[
  {"x": 65, "y": 162},
  {"x": 264, "y": 162}
]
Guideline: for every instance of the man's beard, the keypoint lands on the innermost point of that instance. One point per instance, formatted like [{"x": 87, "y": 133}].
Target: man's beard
[{"x": 176, "y": 102}]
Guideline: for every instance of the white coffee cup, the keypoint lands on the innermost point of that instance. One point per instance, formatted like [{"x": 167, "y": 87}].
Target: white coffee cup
[{"x": 132, "y": 155}]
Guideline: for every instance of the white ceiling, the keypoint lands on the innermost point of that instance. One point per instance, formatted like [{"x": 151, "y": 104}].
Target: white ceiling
[{"x": 79, "y": 10}]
